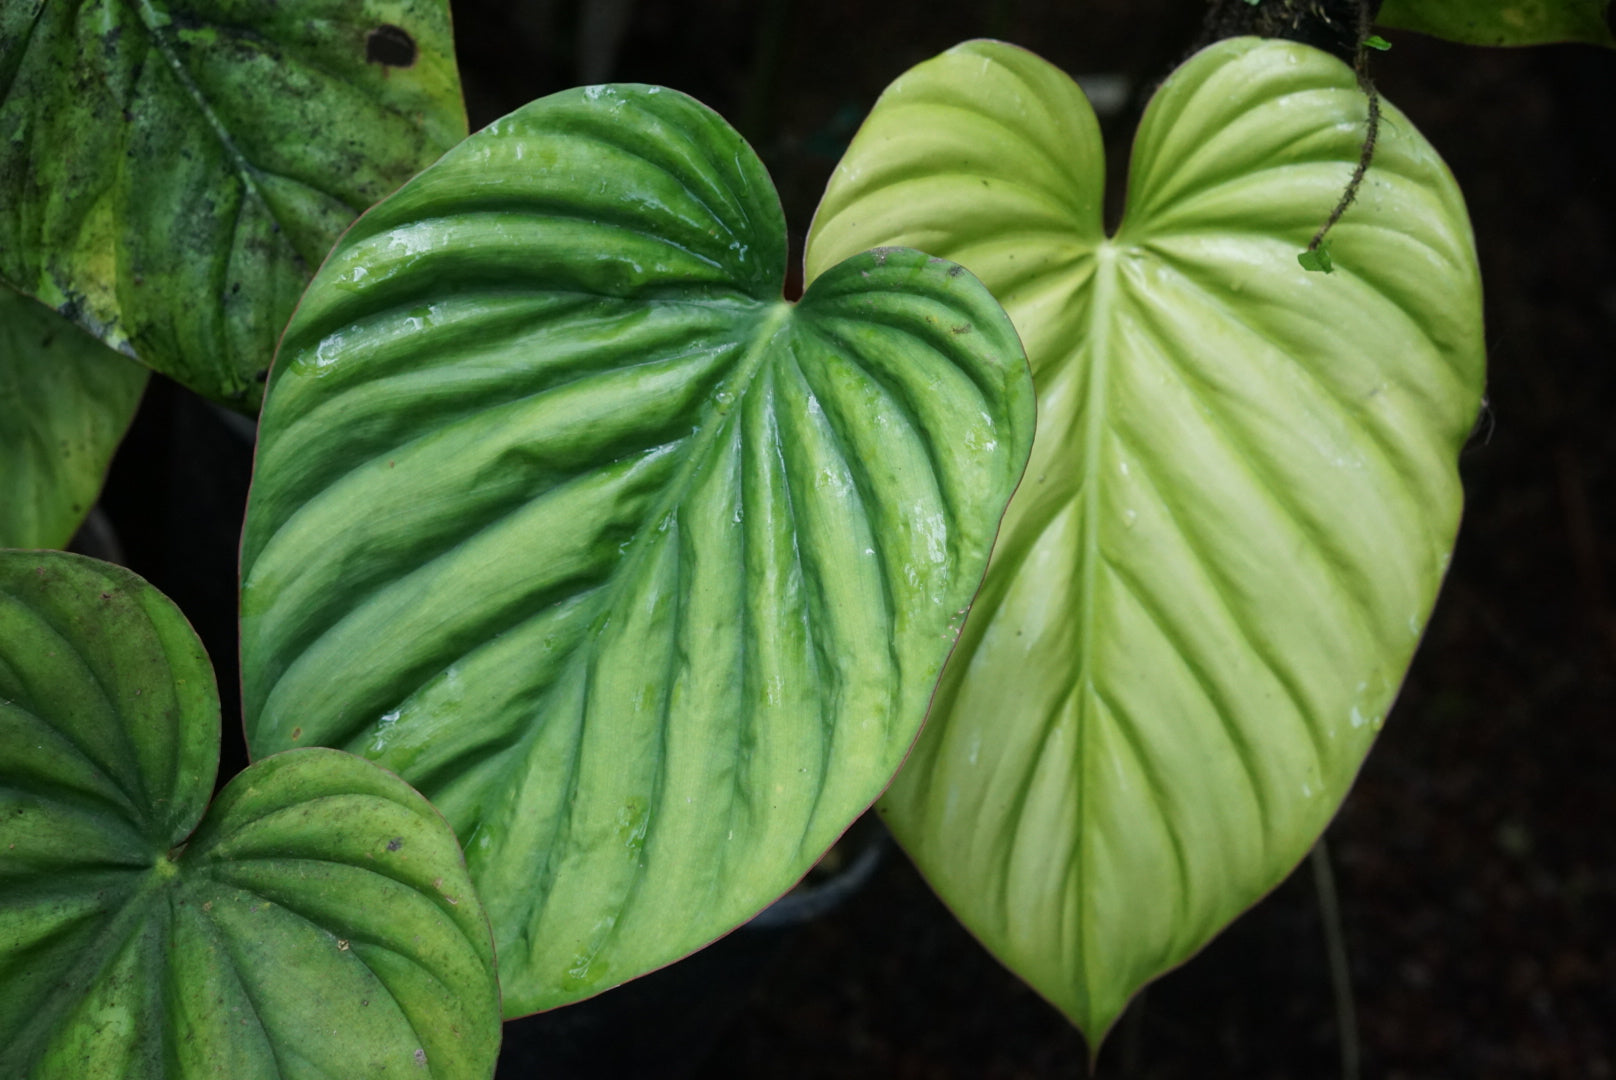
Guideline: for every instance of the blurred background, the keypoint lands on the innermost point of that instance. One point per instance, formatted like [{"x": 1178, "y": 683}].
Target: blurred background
[{"x": 1473, "y": 861}]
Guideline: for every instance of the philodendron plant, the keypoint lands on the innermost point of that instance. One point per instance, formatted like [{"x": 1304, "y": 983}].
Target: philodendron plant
[
  {"x": 1240, "y": 504},
  {"x": 645, "y": 576}
]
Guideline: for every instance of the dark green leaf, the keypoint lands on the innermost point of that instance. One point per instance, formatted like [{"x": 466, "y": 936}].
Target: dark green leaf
[
  {"x": 319, "y": 923},
  {"x": 172, "y": 172},
  {"x": 642, "y": 574},
  {"x": 65, "y": 402},
  {"x": 1317, "y": 259},
  {"x": 1504, "y": 22}
]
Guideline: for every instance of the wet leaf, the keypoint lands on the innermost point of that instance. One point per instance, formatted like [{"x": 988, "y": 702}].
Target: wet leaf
[
  {"x": 172, "y": 173},
  {"x": 1239, "y": 506},
  {"x": 318, "y": 922},
  {"x": 641, "y": 573}
]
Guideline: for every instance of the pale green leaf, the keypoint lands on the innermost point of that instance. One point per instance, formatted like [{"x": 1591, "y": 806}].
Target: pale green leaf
[{"x": 1240, "y": 502}]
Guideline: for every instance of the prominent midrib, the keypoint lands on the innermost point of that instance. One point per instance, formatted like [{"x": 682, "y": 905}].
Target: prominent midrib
[
  {"x": 735, "y": 386},
  {"x": 1096, "y": 350}
]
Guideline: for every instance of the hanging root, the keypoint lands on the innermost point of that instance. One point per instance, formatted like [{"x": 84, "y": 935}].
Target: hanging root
[{"x": 1365, "y": 83}]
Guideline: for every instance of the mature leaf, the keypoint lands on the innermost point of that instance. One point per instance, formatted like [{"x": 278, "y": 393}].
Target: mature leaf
[
  {"x": 65, "y": 402},
  {"x": 172, "y": 171},
  {"x": 642, "y": 574},
  {"x": 319, "y": 923},
  {"x": 1505, "y": 22},
  {"x": 1239, "y": 505}
]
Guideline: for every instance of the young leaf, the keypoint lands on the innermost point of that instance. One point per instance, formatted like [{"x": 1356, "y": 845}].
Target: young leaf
[
  {"x": 1317, "y": 259},
  {"x": 318, "y": 922},
  {"x": 65, "y": 402},
  {"x": 1376, "y": 42},
  {"x": 173, "y": 173},
  {"x": 642, "y": 574},
  {"x": 1240, "y": 502},
  {"x": 1505, "y": 22}
]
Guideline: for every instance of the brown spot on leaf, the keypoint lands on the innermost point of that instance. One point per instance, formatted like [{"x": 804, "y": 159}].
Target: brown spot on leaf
[
  {"x": 395, "y": 843},
  {"x": 390, "y": 46},
  {"x": 297, "y": 733}
]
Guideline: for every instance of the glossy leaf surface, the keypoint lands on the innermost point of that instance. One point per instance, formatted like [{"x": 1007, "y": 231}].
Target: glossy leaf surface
[
  {"x": 1239, "y": 506},
  {"x": 642, "y": 574},
  {"x": 173, "y": 171},
  {"x": 65, "y": 402},
  {"x": 318, "y": 923},
  {"x": 1505, "y": 22}
]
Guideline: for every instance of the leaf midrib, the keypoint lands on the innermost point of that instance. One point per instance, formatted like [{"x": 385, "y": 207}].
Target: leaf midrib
[
  {"x": 739, "y": 380},
  {"x": 1098, "y": 350}
]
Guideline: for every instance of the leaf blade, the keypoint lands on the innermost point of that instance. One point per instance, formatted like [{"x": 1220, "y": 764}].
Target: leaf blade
[
  {"x": 65, "y": 403},
  {"x": 1195, "y": 598},
  {"x": 174, "y": 176},
  {"x": 1505, "y": 22},
  {"x": 613, "y": 596}
]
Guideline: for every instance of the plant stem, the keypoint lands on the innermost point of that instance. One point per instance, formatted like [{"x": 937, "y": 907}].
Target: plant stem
[
  {"x": 1346, "y": 1011},
  {"x": 1361, "y": 67}
]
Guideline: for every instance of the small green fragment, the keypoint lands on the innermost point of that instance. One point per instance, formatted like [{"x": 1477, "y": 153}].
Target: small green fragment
[
  {"x": 1317, "y": 259},
  {"x": 1376, "y": 42},
  {"x": 1253, "y": 3}
]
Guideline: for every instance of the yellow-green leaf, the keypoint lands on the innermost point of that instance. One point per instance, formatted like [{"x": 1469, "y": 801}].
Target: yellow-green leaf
[{"x": 1240, "y": 502}]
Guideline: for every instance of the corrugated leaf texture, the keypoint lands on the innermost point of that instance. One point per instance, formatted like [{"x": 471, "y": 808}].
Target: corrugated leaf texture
[
  {"x": 642, "y": 574},
  {"x": 319, "y": 922}
]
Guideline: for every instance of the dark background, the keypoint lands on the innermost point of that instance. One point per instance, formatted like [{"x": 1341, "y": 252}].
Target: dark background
[{"x": 1474, "y": 861}]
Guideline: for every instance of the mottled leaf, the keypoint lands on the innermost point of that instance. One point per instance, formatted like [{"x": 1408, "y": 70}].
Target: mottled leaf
[
  {"x": 173, "y": 171},
  {"x": 641, "y": 573},
  {"x": 1239, "y": 506}
]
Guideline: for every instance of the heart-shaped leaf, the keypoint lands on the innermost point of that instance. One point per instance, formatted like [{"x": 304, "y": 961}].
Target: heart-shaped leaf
[
  {"x": 641, "y": 573},
  {"x": 1505, "y": 22},
  {"x": 319, "y": 922},
  {"x": 65, "y": 402},
  {"x": 1238, "y": 509},
  {"x": 171, "y": 173}
]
